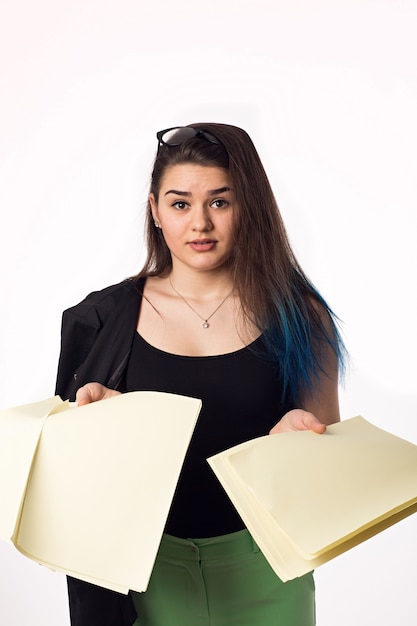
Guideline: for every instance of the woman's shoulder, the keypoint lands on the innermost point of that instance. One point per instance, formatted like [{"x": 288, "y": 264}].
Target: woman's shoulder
[
  {"x": 128, "y": 288},
  {"x": 104, "y": 301}
]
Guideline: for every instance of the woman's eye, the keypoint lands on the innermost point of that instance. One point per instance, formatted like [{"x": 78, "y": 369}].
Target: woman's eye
[
  {"x": 180, "y": 205},
  {"x": 219, "y": 203}
]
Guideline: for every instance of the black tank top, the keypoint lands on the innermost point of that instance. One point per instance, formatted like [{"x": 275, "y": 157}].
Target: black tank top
[{"x": 240, "y": 392}]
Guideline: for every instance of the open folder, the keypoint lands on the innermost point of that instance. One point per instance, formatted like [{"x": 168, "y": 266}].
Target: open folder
[
  {"x": 307, "y": 498},
  {"x": 87, "y": 490}
]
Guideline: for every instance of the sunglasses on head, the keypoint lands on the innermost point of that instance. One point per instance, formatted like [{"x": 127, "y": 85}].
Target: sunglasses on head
[{"x": 179, "y": 134}]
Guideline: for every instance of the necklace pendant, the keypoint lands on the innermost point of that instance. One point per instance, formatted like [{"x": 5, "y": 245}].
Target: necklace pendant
[{"x": 205, "y": 321}]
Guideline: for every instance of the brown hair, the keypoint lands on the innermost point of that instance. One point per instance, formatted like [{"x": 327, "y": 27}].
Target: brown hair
[
  {"x": 274, "y": 292},
  {"x": 262, "y": 261}
]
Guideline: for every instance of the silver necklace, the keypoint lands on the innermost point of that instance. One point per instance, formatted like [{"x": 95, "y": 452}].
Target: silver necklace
[{"x": 205, "y": 319}]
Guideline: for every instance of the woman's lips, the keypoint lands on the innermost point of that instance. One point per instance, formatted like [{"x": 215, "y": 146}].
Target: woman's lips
[{"x": 202, "y": 245}]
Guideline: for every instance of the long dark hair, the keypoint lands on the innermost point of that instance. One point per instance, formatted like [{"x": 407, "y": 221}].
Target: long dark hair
[{"x": 275, "y": 293}]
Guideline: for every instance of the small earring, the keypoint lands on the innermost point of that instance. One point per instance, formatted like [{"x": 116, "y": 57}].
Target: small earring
[{"x": 157, "y": 225}]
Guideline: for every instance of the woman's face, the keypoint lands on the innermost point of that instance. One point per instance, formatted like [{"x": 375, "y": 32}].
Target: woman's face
[{"x": 195, "y": 210}]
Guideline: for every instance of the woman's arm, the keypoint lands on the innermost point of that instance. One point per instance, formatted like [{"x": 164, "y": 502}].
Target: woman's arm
[
  {"x": 320, "y": 405},
  {"x": 321, "y": 409}
]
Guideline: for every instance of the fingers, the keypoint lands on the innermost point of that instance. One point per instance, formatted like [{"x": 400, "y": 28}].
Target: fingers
[
  {"x": 297, "y": 419},
  {"x": 312, "y": 423},
  {"x": 92, "y": 392}
]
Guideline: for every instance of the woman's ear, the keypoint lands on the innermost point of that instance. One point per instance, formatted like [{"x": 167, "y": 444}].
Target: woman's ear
[{"x": 154, "y": 209}]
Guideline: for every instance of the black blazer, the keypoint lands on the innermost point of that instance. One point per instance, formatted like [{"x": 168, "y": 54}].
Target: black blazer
[{"x": 96, "y": 340}]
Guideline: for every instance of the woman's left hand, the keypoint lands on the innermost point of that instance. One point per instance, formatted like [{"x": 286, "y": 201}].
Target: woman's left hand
[{"x": 297, "y": 419}]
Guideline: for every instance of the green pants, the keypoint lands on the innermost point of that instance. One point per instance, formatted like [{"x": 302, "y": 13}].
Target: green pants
[{"x": 221, "y": 581}]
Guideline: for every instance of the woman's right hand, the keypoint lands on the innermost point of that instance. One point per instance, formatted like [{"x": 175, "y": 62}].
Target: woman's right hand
[{"x": 92, "y": 392}]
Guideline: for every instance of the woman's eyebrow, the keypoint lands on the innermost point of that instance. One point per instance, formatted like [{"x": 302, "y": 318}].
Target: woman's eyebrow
[
  {"x": 177, "y": 193},
  {"x": 214, "y": 192},
  {"x": 210, "y": 192}
]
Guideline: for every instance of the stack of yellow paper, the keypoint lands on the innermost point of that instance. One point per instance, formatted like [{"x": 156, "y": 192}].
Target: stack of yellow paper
[
  {"x": 307, "y": 498},
  {"x": 87, "y": 490}
]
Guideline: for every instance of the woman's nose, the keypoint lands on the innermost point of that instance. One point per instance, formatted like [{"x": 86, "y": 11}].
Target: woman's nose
[{"x": 201, "y": 220}]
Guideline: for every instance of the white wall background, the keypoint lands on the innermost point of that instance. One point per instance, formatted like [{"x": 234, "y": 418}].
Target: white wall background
[{"x": 327, "y": 90}]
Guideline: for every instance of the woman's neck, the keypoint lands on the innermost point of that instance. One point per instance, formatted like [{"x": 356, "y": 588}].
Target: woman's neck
[{"x": 201, "y": 284}]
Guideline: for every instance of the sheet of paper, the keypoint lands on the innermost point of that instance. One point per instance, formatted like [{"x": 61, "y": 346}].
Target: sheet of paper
[
  {"x": 20, "y": 429},
  {"x": 302, "y": 495},
  {"x": 101, "y": 486}
]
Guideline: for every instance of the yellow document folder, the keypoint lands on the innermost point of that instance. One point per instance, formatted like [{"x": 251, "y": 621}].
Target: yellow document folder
[
  {"x": 307, "y": 498},
  {"x": 87, "y": 490}
]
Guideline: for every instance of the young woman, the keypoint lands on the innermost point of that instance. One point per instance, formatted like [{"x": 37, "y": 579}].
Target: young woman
[{"x": 221, "y": 311}]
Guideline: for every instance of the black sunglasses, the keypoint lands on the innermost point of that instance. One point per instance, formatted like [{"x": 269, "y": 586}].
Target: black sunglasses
[{"x": 179, "y": 134}]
